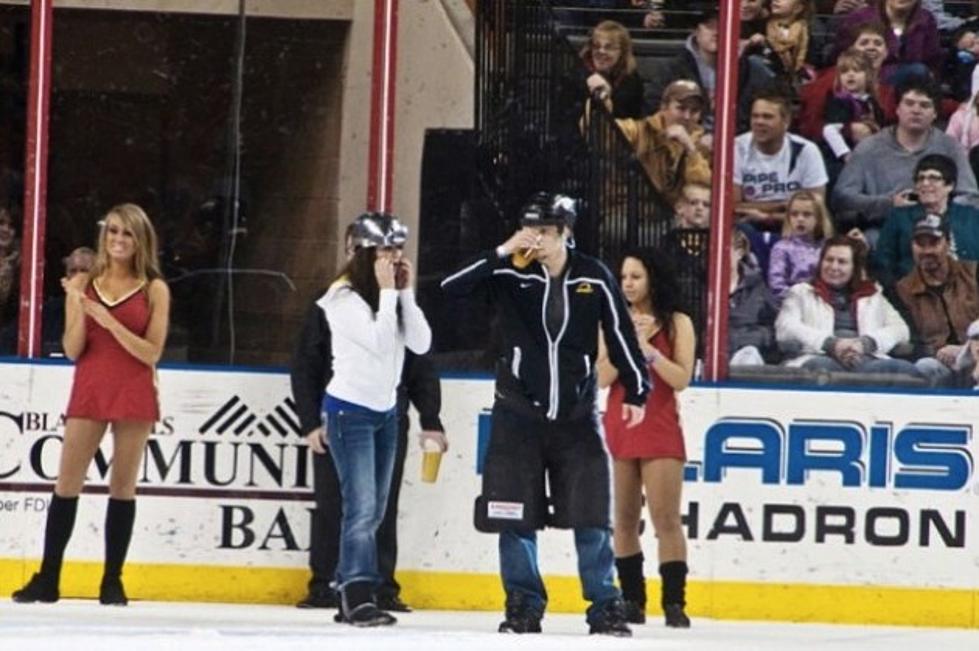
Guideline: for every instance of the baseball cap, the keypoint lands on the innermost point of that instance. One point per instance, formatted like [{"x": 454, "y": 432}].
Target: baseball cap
[
  {"x": 683, "y": 90},
  {"x": 546, "y": 209},
  {"x": 930, "y": 224}
]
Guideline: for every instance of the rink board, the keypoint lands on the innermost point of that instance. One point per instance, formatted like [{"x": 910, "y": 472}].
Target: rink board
[{"x": 800, "y": 505}]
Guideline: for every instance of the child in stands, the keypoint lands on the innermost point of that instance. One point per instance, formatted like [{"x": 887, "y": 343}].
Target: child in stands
[
  {"x": 794, "y": 257},
  {"x": 787, "y": 34},
  {"x": 852, "y": 111}
]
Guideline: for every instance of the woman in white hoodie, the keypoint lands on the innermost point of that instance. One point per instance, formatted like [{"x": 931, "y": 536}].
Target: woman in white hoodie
[
  {"x": 840, "y": 321},
  {"x": 373, "y": 317}
]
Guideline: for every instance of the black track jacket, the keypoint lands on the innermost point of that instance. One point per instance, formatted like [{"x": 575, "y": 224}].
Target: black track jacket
[{"x": 557, "y": 375}]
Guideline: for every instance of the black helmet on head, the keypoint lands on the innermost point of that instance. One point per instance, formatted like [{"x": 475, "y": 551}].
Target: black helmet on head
[
  {"x": 377, "y": 229},
  {"x": 549, "y": 209}
]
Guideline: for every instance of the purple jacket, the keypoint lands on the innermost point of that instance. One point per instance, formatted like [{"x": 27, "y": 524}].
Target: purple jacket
[
  {"x": 919, "y": 43},
  {"x": 793, "y": 260}
]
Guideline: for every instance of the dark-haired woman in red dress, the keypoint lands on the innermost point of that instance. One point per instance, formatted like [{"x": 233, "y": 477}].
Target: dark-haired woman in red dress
[
  {"x": 116, "y": 321},
  {"x": 649, "y": 457}
]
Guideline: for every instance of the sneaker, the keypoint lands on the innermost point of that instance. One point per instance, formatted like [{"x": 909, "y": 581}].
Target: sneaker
[
  {"x": 675, "y": 617},
  {"x": 635, "y": 612},
  {"x": 39, "y": 588},
  {"x": 392, "y": 603},
  {"x": 608, "y": 619},
  {"x": 111, "y": 592},
  {"x": 520, "y": 617},
  {"x": 320, "y": 598},
  {"x": 367, "y": 615}
]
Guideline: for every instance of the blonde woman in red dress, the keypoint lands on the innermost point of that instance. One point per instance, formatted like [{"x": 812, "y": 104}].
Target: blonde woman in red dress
[
  {"x": 116, "y": 320},
  {"x": 650, "y": 457}
]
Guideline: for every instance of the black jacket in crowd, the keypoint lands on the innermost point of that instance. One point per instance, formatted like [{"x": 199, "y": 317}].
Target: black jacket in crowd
[
  {"x": 556, "y": 377},
  {"x": 312, "y": 368}
]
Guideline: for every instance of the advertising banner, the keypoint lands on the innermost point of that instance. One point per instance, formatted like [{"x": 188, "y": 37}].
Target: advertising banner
[{"x": 788, "y": 488}]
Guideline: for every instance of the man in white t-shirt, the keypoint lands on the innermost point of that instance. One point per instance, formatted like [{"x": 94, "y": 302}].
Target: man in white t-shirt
[{"x": 770, "y": 164}]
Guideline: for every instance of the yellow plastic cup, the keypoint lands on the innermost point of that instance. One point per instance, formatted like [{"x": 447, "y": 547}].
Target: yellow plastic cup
[
  {"x": 431, "y": 459},
  {"x": 523, "y": 258}
]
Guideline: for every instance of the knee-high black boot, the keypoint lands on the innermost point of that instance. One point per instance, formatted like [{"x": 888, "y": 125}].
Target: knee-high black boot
[
  {"x": 674, "y": 577},
  {"x": 119, "y": 518},
  {"x": 43, "y": 586},
  {"x": 633, "y": 584}
]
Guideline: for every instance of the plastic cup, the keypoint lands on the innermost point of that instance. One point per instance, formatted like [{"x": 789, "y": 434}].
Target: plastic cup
[
  {"x": 523, "y": 258},
  {"x": 430, "y": 465}
]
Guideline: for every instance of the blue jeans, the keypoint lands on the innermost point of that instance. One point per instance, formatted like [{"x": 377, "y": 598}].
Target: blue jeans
[
  {"x": 363, "y": 445},
  {"x": 521, "y": 577}
]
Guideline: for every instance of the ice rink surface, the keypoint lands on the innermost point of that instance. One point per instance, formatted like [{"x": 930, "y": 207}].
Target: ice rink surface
[{"x": 153, "y": 626}]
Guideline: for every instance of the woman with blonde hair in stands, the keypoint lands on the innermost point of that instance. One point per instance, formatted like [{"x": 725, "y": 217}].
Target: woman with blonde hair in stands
[
  {"x": 794, "y": 257},
  {"x": 116, "y": 320}
]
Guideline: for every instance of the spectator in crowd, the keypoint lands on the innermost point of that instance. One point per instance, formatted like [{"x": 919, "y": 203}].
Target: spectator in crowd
[
  {"x": 770, "y": 163},
  {"x": 869, "y": 41},
  {"x": 852, "y": 113},
  {"x": 697, "y": 61},
  {"x": 649, "y": 459},
  {"x": 609, "y": 73},
  {"x": 967, "y": 363},
  {"x": 668, "y": 142},
  {"x": 692, "y": 207},
  {"x": 962, "y": 63},
  {"x": 946, "y": 22},
  {"x": 875, "y": 178},
  {"x": 687, "y": 246},
  {"x": 794, "y": 257},
  {"x": 964, "y": 123},
  {"x": 840, "y": 320},
  {"x": 751, "y": 311},
  {"x": 787, "y": 34},
  {"x": 941, "y": 297},
  {"x": 935, "y": 177},
  {"x": 913, "y": 47},
  {"x": 80, "y": 260},
  {"x": 9, "y": 272}
]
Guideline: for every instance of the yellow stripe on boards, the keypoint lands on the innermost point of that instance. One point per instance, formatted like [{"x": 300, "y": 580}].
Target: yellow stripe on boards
[{"x": 458, "y": 591}]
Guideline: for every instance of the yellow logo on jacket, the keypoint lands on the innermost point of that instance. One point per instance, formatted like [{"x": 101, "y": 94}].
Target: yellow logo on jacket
[{"x": 585, "y": 288}]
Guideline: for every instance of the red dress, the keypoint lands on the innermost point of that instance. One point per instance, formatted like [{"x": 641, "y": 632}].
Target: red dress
[
  {"x": 659, "y": 435},
  {"x": 110, "y": 384}
]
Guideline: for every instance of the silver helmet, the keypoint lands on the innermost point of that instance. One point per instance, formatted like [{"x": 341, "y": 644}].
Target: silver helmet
[{"x": 377, "y": 229}]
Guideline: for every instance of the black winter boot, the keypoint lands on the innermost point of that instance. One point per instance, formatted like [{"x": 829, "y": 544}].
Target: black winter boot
[
  {"x": 521, "y": 617},
  {"x": 608, "y": 618},
  {"x": 673, "y": 599},
  {"x": 119, "y": 518},
  {"x": 633, "y": 584},
  {"x": 43, "y": 586},
  {"x": 358, "y": 607}
]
